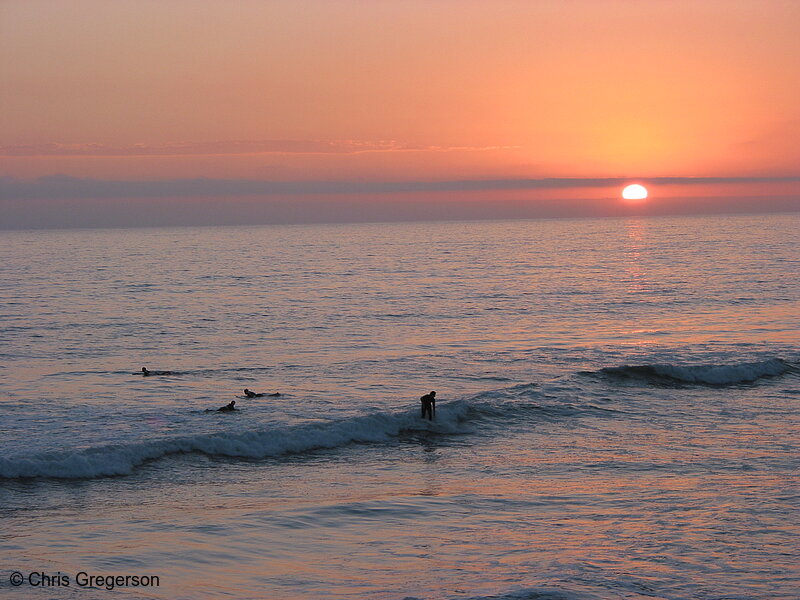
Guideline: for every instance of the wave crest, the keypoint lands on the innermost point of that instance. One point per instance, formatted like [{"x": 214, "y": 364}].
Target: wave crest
[
  {"x": 746, "y": 372},
  {"x": 123, "y": 459}
]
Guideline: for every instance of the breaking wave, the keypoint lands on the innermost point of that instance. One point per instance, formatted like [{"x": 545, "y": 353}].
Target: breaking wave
[
  {"x": 122, "y": 459},
  {"x": 715, "y": 375},
  {"x": 497, "y": 408}
]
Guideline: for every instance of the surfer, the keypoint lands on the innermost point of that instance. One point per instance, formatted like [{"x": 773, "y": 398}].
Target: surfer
[
  {"x": 229, "y": 407},
  {"x": 147, "y": 373},
  {"x": 252, "y": 394},
  {"x": 428, "y": 405}
]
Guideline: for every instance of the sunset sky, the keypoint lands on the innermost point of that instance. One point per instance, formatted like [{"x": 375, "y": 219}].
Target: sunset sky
[{"x": 423, "y": 109}]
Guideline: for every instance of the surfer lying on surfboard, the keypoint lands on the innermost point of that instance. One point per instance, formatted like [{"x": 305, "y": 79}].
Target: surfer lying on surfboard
[
  {"x": 147, "y": 373},
  {"x": 229, "y": 407},
  {"x": 252, "y": 394}
]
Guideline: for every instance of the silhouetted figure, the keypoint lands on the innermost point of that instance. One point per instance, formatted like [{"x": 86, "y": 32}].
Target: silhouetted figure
[
  {"x": 428, "y": 405},
  {"x": 147, "y": 373},
  {"x": 229, "y": 407},
  {"x": 252, "y": 394}
]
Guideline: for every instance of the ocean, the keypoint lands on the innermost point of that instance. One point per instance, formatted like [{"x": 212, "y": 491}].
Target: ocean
[{"x": 617, "y": 416}]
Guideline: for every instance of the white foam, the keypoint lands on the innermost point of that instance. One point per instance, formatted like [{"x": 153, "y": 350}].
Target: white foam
[{"x": 123, "y": 459}]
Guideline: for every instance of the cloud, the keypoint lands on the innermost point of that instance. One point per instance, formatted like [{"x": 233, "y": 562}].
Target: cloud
[
  {"x": 234, "y": 147},
  {"x": 61, "y": 201},
  {"x": 158, "y": 212},
  {"x": 63, "y": 186}
]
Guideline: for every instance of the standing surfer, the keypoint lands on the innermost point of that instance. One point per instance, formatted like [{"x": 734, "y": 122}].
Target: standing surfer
[{"x": 428, "y": 405}]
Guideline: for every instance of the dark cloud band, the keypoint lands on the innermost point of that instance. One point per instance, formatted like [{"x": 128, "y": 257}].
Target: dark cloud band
[{"x": 61, "y": 186}]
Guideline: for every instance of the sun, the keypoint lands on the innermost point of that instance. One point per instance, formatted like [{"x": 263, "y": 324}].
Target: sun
[{"x": 634, "y": 192}]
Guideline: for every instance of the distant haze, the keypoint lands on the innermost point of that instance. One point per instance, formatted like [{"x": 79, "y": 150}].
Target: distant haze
[{"x": 62, "y": 202}]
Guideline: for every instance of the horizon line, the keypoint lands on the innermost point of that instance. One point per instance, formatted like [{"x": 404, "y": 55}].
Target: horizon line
[{"x": 67, "y": 186}]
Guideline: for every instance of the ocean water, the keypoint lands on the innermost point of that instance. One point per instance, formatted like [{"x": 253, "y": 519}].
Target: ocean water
[{"x": 618, "y": 410}]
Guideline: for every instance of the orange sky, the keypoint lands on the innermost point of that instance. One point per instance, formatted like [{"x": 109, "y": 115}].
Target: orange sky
[{"x": 383, "y": 90}]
